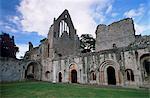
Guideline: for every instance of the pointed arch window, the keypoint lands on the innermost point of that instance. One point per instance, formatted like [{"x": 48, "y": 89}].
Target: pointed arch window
[
  {"x": 63, "y": 27},
  {"x": 130, "y": 74}
]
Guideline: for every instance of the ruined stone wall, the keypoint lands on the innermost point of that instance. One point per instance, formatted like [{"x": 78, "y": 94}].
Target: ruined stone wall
[
  {"x": 132, "y": 61},
  {"x": 115, "y": 47},
  {"x": 85, "y": 64},
  {"x": 47, "y": 70},
  {"x": 11, "y": 69},
  {"x": 121, "y": 59},
  {"x": 66, "y": 46},
  {"x": 63, "y": 42},
  {"x": 117, "y": 34},
  {"x": 38, "y": 53}
]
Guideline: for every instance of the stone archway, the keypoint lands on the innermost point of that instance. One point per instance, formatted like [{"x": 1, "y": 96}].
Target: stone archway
[
  {"x": 74, "y": 76},
  {"x": 106, "y": 69},
  {"x": 92, "y": 75},
  {"x": 129, "y": 75},
  {"x": 33, "y": 71},
  {"x": 111, "y": 77},
  {"x": 30, "y": 72},
  {"x": 47, "y": 75},
  {"x": 145, "y": 66},
  {"x": 60, "y": 77}
]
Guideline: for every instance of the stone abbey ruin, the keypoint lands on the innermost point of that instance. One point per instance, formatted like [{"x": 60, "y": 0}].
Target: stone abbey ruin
[{"x": 121, "y": 58}]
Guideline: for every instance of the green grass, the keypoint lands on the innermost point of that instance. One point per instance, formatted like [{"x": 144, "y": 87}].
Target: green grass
[{"x": 49, "y": 90}]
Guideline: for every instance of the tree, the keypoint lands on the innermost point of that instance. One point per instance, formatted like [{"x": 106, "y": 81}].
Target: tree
[
  {"x": 42, "y": 40},
  {"x": 87, "y": 43},
  {"x": 7, "y": 46}
]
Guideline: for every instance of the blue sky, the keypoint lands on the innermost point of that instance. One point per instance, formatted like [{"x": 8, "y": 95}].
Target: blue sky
[{"x": 29, "y": 20}]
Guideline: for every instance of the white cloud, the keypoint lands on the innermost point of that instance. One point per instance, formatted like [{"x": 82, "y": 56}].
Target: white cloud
[
  {"x": 14, "y": 19},
  {"x": 13, "y": 25},
  {"x": 9, "y": 29},
  {"x": 37, "y": 15},
  {"x": 114, "y": 14},
  {"x": 140, "y": 29},
  {"x": 135, "y": 12},
  {"x": 22, "y": 49},
  {"x": 101, "y": 9},
  {"x": 138, "y": 16},
  {"x": 109, "y": 9}
]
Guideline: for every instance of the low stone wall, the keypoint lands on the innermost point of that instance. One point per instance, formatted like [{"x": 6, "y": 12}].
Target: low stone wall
[{"x": 11, "y": 69}]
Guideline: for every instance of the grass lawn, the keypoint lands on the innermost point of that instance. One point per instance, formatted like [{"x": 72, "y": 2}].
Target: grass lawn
[{"x": 49, "y": 90}]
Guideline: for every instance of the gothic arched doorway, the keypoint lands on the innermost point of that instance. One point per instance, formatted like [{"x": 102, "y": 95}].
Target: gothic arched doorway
[
  {"x": 111, "y": 76},
  {"x": 74, "y": 76},
  {"x": 60, "y": 77}
]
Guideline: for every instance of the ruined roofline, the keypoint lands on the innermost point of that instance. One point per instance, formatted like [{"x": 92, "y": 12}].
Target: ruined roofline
[
  {"x": 122, "y": 20},
  {"x": 125, "y": 19},
  {"x": 142, "y": 36},
  {"x": 114, "y": 23},
  {"x": 65, "y": 12}
]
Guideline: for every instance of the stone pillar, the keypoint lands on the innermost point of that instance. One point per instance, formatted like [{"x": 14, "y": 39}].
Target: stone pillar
[
  {"x": 102, "y": 78},
  {"x": 54, "y": 74}
]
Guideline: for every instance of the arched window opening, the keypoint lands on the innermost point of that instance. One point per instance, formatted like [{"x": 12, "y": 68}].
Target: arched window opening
[
  {"x": 63, "y": 27},
  {"x": 130, "y": 75},
  {"x": 93, "y": 75}
]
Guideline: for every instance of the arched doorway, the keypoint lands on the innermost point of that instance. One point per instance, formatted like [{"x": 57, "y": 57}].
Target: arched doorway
[
  {"x": 30, "y": 72},
  {"x": 33, "y": 71},
  {"x": 47, "y": 75},
  {"x": 74, "y": 76},
  {"x": 111, "y": 76},
  {"x": 60, "y": 77},
  {"x": 73, "y": 73},
  {"x": 145, "y": 66}
]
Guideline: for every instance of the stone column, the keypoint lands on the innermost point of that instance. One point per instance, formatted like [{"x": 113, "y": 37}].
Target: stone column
[{"x": 54, "y": 74}]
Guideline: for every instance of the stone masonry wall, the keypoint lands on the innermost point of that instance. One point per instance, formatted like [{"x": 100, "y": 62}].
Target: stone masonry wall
[
  {"x": 11, "y": 69},
  {"x": 117, "y": 34}
]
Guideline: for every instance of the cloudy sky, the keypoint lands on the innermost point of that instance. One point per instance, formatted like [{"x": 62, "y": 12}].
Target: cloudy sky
[{"x": 29, "y": 20}]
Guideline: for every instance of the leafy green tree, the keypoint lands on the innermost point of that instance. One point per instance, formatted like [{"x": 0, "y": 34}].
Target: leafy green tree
[{"x": 87, "y": 43}]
